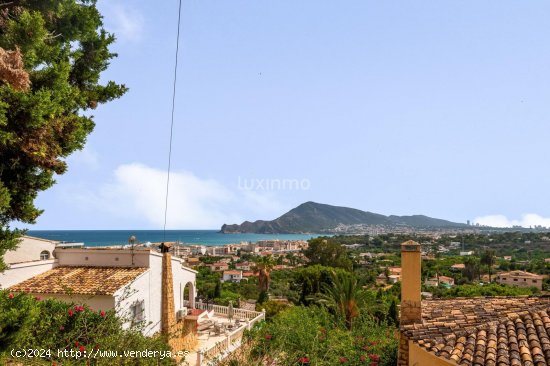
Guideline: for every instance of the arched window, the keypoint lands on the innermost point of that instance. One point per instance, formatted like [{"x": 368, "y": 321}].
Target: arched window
[{"x": 44, "y": 255}]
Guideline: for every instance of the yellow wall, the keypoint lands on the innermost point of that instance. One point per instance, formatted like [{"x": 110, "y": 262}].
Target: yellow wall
[
  {"x": 418, "y": 356},
  {"x": 411, "y": 272}
]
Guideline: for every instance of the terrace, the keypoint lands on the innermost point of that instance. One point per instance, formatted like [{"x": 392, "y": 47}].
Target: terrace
[{"x": 219, "y": 334}]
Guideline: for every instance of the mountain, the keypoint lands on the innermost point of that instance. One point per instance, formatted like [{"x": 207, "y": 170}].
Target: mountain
[{"x": 312, "y": 217}]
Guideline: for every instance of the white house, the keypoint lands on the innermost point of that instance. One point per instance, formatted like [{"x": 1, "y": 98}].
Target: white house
[
  {"x": 31, "y": 257},
  {"x": 128, "y": 280},
  {"x": 244, "y": 266},
  {"x": 232, "y": 276},
  {"x": 31, "y": 249}
]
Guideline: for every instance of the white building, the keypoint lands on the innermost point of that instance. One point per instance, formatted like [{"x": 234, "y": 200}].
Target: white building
[
  {"x": 31, "y": 257},
  {"x": 244, "y": 266},
  {"x": 31, "y": 249},
  {"x": 129, "y": 281},
  {"x": 232, "y": 276}
]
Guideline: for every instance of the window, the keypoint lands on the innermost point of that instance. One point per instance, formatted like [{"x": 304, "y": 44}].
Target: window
[
  {"x": 137, "y": 311},
  {"x": 515, "y": 279},
  {"x": 44, "y": 255},
  {"x": 504, "y": 279},
  {"x": 534, "y": 281}
]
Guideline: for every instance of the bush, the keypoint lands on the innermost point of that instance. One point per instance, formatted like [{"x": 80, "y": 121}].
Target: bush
[
  {"x": 309, "y": 332},
  {"x": 28, "y": 322}
]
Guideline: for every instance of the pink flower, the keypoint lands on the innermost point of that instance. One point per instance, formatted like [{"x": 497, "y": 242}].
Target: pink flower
[
  {"x": 79, "y": 308},
  {"x": 82, "y": 348},
  {"x": 374, "y": 357},
  {"x": 61, "y": 328},
  {"x": 102, "y": 313},
  {"x": 268, "y": 337},
  {"x": 363, "y": 358},
  {"x": 10, "y": 296},
  {"x": 304, "y": 360},
  {"x": 71, "y": 312},
  {"x": 37, "y": 298}
]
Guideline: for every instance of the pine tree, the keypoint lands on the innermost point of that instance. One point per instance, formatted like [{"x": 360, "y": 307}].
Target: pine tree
[
  {"x": 393, "y": 316},
  {"x": 52, "y": 53},
  {"x": 218, "y": 290}
]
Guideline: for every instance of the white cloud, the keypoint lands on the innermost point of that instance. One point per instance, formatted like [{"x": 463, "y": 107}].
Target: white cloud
[
  {"x": 137, "y": 194},
  {"x": 125, "y": 22},
  {"x": 526, "y": 220}
]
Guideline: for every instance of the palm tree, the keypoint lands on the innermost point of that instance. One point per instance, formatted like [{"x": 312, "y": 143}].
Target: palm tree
[
  {"x": 488, "y": 258},
  {"x": 342, "y": 296},
  {"x": 263, "y": 267}
]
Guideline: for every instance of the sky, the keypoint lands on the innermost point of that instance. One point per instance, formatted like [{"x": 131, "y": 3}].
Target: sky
[{"x": 396, "y": 107}]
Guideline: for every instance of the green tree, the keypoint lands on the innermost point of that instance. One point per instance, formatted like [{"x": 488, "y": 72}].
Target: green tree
[
  {"x": 471, "y": 268},
  {"x": 311, "y": 280},
  {"x": 342, "y": 296},
  {"x": 218, "y": 290},
  {"x": 327, "y": 252},
  {"x": 52, "y": 53},
  {"x": 488, "y": 259},
  {"x": 393, "y": 315}
]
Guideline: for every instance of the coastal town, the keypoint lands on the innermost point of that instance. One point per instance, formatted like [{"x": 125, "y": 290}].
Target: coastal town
[
  {"x": 274, "y": 183},
  {"x": 211, "y": 296}
]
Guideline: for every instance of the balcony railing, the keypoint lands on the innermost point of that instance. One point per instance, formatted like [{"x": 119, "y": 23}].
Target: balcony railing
[
  {"x": 220, "y": 310},
  {"x": 232, "y": 339}
]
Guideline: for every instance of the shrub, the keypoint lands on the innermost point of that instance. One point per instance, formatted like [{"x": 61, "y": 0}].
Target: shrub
[
  {"x": 310, "y": 332},
  {"x": 28, "y": 322}
]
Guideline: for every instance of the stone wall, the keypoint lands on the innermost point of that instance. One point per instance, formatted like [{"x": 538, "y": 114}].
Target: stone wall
[
  {"x": 411, "y": 312},
  {"x": 168, "y": 313},
  {"x": 403, "y": 355}
]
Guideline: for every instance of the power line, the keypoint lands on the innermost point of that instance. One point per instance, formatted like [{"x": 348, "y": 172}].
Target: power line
[{"x": 172, "y": 122}]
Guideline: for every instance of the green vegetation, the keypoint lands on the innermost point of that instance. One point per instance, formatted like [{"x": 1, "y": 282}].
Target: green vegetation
[
  {"x": 473, "y": 290},
  {"x": 57, "y": 50},
  {"x": 327, "y": 252},
  {"x": 312, "y": 334},
  {"x": 31, "y": 323}
]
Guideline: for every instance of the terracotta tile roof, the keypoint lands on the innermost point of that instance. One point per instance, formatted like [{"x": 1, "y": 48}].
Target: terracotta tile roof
[
  {"x": 232, "y": 272},
  {"x": 498, "y": 331},
  {"x": 79, "y": 280},
  {"x": 520, "y": 274}
]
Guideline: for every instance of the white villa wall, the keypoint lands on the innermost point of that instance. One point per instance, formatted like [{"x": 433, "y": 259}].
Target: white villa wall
[
  {"x": 182, "y": 276},
  {"x": 147, "y": 288},
  {"x": 23, "y": 271},
  {"x": 29, "y": 249},
  {"x": 97, "y": 257},
  {"x": 142, "y": 289}
]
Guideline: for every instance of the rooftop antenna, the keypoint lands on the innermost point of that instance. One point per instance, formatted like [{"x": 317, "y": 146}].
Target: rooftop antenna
[
  {"x": 132, "y": 242},
  {"x": 172, "y": 121}
]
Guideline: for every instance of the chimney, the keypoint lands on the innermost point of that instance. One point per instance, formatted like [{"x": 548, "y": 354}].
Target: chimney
[
  {"x": 168, "y": 314},
  {"x": 411, "y": 308},
  {"x": 411, "y": 262}
]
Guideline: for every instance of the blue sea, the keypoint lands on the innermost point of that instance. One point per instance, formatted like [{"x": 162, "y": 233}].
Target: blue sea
[{"x": 115, "y": 237}]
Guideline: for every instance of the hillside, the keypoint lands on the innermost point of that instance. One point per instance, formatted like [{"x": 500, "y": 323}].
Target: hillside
[{"x": 311, "y": 217}]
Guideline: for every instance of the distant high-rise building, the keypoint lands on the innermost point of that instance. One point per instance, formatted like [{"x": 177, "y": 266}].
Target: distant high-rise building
[{"x": 468, "y": 222}]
